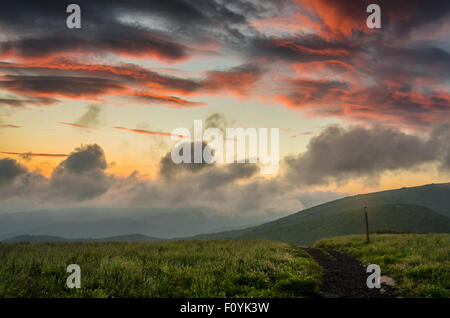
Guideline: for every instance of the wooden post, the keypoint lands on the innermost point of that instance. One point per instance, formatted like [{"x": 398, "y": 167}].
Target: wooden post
[{"x": 367, "y": 225}]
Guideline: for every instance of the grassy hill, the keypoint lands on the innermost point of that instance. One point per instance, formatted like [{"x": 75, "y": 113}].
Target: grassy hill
[
  {"x": 159, "y": 269},
  {"x": 419, "y": 263},
  {"x": 306, "y": 229},
  {"x": 417, "y": 209}
]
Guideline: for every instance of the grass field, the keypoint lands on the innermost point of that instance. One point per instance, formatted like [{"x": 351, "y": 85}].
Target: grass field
[
  {"x": 419, "y": 263},
  {"x": 159, "y": 269}
]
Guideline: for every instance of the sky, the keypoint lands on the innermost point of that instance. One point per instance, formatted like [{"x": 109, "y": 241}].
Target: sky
[{"x": 85, "y": 113}]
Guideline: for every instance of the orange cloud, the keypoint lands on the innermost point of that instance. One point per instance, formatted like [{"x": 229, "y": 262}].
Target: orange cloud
[
  {"x": 346, "y": 16},
  {"x": 170, "y": 100},
  {"x": 148, "y": 132},
  {"x": 10, "y": 126},
  {"x": 75, "y": 125},
  {"x": 31, "y": 154}
]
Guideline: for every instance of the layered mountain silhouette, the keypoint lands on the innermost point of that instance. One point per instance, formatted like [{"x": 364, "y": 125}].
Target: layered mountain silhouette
[
  {"x": 423, "y": 209},
  {"x": 50, "y": 238}
]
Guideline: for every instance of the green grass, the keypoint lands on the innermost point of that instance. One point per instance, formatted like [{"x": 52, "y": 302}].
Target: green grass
[
  {"x": 419, "y": 263},
  {"x": 159, "y": 269}
]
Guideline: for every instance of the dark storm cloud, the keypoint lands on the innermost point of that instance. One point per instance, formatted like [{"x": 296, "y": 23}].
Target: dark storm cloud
[
  {"x": 126, "y": 41},
  {"x": 84, "y": 159},
  {"x": 69, "y": 86},
  {"x": 423, "y": 13},
  {"x": 41, "y": 29},
  {"x": 75, "y": 80},
  {"x": 129, "y": 74},
  {"x": 41, "y": 33},
  {"x": 81, "y": 176},
  {"x": 420, "y": 61},
  {"x": 339, "y": 154},
  {"x": 180, "y": 11},
  {"x": 10, "y": 169}
]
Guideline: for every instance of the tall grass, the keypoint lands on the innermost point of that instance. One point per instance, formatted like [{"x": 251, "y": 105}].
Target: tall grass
[{"x": 159, "y": 269}]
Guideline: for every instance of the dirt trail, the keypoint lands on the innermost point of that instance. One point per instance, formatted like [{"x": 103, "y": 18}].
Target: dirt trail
[{"x": 345, "y": 276}]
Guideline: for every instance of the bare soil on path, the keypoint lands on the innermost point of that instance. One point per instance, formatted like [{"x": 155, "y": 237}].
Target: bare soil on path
[{"x": 344, "y": 276}]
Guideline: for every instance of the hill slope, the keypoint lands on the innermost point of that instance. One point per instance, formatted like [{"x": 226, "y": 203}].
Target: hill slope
[
  {"x": 408, "y": 209},
  {"x": 404, "y": 217}
]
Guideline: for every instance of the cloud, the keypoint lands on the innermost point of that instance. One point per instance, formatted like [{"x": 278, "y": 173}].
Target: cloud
[
  {"x": 60, "y": 86},
  {"x": 168, "y": 169},
  {"x": 16, "y": 181},
  {"x": 91, "y": 117},
  {"x": 397, "y": 75},
  {"x": 35, "y": 101},
  {"x": 127, "y": 73},
  {"x": 10, "y": 169},
  {"x": 237, "y": 80},
  {"x": 403, "y": 87},
  {"x": 181, "y": 24},
  {"x": 138, "y": 42},
  {"x": 339, "y": 154},
  {"x": 440, "y": 140},
  {"x": 235, "y": 190},
  {"x": 84, "y": 159},
  {"x": 10, "y": 126},
  {"x": 347, "y": 17},
  {"x": 169, "y": 100},
  {"x": 28, "y": 155},
  {"x": 81, "y": 175},
  {"x": 304, "y": 48},
  {"x": 217, "y": 120},
  {"x": 305, "y": 92},
  {"x": 148, "y": 132},
  {"x": 127, "y": 79},
  {"x": 75, "y": 125}
]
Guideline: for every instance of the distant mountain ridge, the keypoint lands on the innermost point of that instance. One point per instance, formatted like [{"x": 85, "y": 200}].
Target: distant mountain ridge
[
  {"x": 416, "y": 209},
  {"x": 50, "y": 238},
  {"x": 94, "y": 222}
]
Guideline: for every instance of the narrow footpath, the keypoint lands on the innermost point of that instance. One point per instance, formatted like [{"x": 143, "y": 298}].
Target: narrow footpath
[{"x": 344, "y": 276}]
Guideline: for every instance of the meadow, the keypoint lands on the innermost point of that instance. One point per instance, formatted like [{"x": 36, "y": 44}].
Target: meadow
[
  {"x": 419, "y": 263},
  {"x": 221, "y": 268}
]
